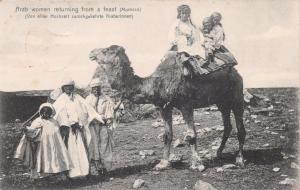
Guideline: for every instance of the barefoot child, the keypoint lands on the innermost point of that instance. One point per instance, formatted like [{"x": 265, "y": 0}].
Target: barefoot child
[
  {"x": 42, "y": 148},
  {"x": 208, "y": 42},
  {"x": 217, "y": 32},
  {"x": 214, "y": 35}
]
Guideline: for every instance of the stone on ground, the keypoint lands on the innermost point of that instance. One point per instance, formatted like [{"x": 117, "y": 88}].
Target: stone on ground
[
  {"x": 175, "y": 158},
  {"x": 220, "y": 169},
  {"x": 199, "y": 168},
  {"x": 288, "y": 181},
  {"x": 276, "y": 169},
  {"x": 178, "y": 143},
  {"x": 229, "y": 166},
  {"x": 145, "y": 153},
  {"x": 138, "y": 183},
  {"x": 157, "y": 124},
  {"x": 294, "y": 165},
  {"x": 202, "y": 185}
]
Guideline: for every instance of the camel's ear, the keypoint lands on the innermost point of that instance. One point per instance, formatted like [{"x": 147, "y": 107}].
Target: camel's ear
[
  {"x": 104, "y": 50},
  {"x": 121, "y": 49},
  {"x": 178, "y": 58},
  {"x": 182, "y": 57}
]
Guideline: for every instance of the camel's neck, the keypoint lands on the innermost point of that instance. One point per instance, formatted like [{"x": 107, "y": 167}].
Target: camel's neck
[
  {"x": 137, "y": 91},
  {"x": 123, "y": 79}
]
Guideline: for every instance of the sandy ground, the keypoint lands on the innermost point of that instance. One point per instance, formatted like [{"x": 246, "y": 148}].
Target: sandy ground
[{"x": 271, "y": 142}]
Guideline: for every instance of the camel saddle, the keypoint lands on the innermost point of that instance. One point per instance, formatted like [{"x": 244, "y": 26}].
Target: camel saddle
[{"x": 199, "y": 67}]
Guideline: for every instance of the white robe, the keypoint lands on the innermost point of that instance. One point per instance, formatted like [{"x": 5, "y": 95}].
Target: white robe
[
  {"x": 69, "y": 110},
  {"x": 101, "y": 147},
  {"x": 178, "y": 36},
  {"x": 51, "y": 155}
]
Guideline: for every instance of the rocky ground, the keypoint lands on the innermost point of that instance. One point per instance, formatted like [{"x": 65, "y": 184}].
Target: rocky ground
[{"x": 270, "y": 150}]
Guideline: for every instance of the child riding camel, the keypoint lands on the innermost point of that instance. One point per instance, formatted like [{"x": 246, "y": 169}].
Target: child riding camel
[
  {"x": 214, "y": 38},
  {"x": 217, "y": 32},
  {"x": 208, "y": 42}
]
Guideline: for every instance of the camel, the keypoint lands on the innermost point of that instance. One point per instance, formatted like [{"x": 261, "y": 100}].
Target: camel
[{"x": 168, "y": 87}]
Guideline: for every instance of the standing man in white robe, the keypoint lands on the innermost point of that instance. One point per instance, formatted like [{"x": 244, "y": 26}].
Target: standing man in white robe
[
  {"x": 101, "y": 146},
  {"x": 74, "y": 116}
]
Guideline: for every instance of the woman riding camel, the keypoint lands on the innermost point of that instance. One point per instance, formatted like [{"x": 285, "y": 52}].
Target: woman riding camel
[
  {"x": 185, "y": 39},
  {"x": 184, "y": 35}
]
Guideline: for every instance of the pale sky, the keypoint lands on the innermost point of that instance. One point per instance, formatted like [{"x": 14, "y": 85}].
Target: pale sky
[{"x": 36, "y": 54}]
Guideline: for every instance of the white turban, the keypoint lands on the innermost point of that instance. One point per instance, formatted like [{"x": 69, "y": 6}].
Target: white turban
[
  {"x": 67, "y": 81},
  {"x": 95, "y": 82}
]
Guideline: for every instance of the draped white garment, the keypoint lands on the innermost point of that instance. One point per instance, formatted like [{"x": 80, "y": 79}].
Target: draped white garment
[
  {"x": 69, "y": 110},
  {"x": 101, "y": 146},
  {"x": 187, "y": 37},
  {"x": 51, "y": 155}
]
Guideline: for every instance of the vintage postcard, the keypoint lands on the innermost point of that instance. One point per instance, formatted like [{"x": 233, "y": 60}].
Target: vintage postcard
[{"x": 149, "y": 94}]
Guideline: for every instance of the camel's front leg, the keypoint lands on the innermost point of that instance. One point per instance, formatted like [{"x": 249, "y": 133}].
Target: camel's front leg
[
  {"x": 238, "y": 111},
  {"x": 191, "y": 137},
  {"x": 166, "y": 114}
]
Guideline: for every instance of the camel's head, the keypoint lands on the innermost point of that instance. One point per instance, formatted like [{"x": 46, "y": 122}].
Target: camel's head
[
  {"x": 116, "y": 65},
  {"x": 106, "y": 55}
]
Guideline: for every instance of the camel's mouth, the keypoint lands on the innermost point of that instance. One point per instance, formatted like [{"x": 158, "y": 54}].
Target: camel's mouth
[
  {"x": 92, "y": 57},
  {"x": 97, "y": 55}
]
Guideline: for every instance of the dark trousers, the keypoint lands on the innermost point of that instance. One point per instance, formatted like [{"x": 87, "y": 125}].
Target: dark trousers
[{"x": 64, "y": 132}]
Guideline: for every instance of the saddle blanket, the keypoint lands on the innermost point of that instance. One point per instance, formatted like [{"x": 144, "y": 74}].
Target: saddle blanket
[{"x": 221, "y": 60}]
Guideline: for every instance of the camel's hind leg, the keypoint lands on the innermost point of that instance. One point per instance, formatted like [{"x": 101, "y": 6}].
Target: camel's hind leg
[
  {"x": 225, "y": 111},
  {"x": 166, "y": 114},
  {"x": 238, "y": 110},
  {"x": 191, "y": 137}
]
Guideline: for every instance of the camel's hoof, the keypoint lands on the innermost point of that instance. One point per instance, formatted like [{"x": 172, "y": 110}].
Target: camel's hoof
[
  {"x": 163, "y": 164},
  {"x": 240, "y": 162},
  {"x": 200, "y": 167},
  {"x": 189, "y": 136}
]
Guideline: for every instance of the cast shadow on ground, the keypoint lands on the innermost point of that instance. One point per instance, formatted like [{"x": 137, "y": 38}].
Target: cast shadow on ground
[
  {"x": 121, "y": 172},
  {"x": 257, "y": 157},
  {"x": 53, "y": 183}
]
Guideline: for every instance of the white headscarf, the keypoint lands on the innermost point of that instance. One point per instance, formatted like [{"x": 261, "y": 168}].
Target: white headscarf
[
  {"x": 67, "y": 81},
  {"x": 49, "y": 106},
  {"x": 95, "y": 82}
]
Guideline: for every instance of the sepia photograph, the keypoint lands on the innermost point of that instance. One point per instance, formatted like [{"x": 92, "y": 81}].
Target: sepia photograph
[{"x": 149, "y": 94}]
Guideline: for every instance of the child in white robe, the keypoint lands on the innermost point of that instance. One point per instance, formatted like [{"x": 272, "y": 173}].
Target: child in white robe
[
  {"x": 208, "y": 42},
  {"x": 217, "y": 35},
  {"x": 42, "y": 147},
  {"x": 217, "y": 32}
]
